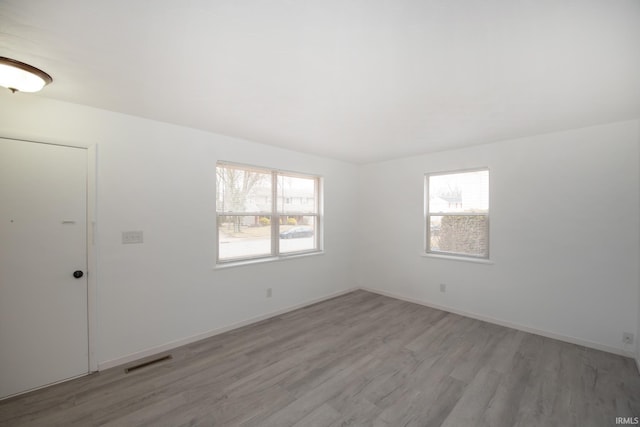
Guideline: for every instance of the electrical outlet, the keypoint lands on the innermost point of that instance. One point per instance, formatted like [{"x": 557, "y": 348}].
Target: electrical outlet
[
  {"x": 443, "y": 287},
  {"x": 269, "y": 292},
  {"x": 627, "y": 338}
]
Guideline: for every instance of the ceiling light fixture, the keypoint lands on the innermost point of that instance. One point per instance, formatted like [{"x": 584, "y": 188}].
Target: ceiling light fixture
[{"x": 18, "y": 76}]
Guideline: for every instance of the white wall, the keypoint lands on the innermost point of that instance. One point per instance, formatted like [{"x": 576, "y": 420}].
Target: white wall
[
  {"x": 563, "y": 234},
  {"x": 564, "y": 230},
  {"x": 638, "y": 330},
  {"x": 160, "y": 178}
]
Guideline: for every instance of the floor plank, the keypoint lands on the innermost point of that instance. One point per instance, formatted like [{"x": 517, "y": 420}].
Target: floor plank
[{"x": 360, "y": 359}]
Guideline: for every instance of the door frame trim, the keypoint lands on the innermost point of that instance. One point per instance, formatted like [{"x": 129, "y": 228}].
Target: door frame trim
[{"x": 91, "y": 233}]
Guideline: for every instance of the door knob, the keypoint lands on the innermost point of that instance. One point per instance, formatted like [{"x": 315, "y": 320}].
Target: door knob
[{"x": 78, "y": 274}]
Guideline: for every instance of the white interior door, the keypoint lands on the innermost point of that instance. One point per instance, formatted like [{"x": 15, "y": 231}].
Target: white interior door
[{"x": 43, "y": 229}]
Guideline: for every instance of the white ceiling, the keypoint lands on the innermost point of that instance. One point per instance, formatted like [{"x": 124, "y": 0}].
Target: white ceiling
[{"x": 358, "y": 80}]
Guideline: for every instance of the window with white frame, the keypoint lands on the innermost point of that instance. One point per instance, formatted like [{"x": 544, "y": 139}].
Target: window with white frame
[
  {"x": 260, "y": 215},
  {"x": 457, "y": 213}
]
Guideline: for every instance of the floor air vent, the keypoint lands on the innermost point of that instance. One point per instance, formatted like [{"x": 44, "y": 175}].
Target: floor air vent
[{"x": 148, "y": 363}]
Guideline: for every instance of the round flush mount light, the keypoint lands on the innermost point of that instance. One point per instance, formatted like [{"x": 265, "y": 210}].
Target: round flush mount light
[{"x": 18, "y": 76}]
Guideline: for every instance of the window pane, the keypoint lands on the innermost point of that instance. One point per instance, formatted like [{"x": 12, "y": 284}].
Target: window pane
[
  {"x": 460, "y": 234},
  {"x": 250, "y": 212},
  {"x": 243, "y": 236},
  {"x": 242, "y": 189},
  {"x": 298, "y": 233},
  {"x": 296, "y": 195},
  {"x": 459, "y": 192}
]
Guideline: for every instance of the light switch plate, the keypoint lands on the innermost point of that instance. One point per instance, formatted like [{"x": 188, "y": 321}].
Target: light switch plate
[{"x": 129, "y": 237}]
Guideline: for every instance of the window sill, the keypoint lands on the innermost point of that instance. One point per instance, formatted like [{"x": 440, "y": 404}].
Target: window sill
[
  {"x": 458, "y": 258},
  {"x": 241, "y": 263}
]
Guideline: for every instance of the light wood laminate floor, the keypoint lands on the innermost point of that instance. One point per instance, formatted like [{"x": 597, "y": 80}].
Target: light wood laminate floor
[{"x": 360, "y": 360}]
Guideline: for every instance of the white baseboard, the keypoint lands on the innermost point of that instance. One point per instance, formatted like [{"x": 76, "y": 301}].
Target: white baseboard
[
  {"x": 178, "y": 343},
  {"x": 572, "y": 340}
]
